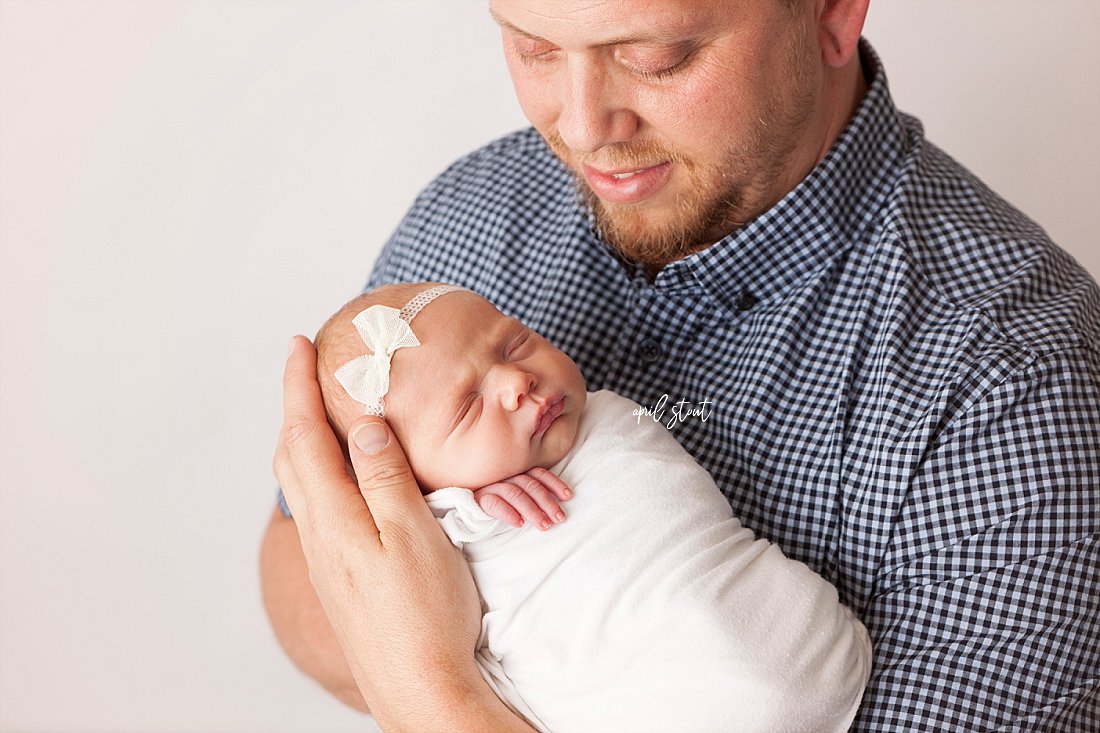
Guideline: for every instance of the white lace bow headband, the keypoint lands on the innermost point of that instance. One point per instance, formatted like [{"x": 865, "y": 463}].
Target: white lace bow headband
[{"x": 384, "y": 330}]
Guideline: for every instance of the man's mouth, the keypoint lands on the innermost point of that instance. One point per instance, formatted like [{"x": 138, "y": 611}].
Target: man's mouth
[
  {"x": 548, "y": 413},
  {"x": 627, "y": 185}
]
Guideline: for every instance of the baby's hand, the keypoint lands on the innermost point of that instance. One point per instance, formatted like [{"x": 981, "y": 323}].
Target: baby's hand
[{"x": 529, "y": 497}]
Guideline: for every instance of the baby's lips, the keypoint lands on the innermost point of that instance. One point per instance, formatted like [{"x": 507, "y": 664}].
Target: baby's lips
[{"x": 547, "y": 414}]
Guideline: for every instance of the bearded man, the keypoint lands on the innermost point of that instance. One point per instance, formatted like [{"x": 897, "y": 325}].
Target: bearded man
[{"x": 718, "y": 201}]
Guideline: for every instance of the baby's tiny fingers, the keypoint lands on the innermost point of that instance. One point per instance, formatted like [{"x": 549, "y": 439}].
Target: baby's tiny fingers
[
  {"x": 539, "y": 495},
  {"x": 551, "y": 481},
  {"x": 498, "y": 508}
]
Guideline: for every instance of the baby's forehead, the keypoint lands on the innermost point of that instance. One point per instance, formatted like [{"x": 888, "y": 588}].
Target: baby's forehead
[
  {"x": 453, "y": 335},
  {"x": 468, "y": 322},
  {"x": 448, "y": 327}
]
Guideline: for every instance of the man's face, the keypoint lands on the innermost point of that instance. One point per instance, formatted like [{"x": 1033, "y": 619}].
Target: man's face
[
  {"x": 682, "y": 119},
  {"x": 483, "y": 398}
]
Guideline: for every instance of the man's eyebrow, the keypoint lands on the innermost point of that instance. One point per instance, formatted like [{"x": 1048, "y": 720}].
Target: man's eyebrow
[
  {"x": 659, "y": 35},
  {"x": 506, "y": 25}
]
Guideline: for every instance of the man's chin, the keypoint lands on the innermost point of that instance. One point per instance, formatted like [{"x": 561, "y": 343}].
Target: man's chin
[{"x": 647, "y": 234}]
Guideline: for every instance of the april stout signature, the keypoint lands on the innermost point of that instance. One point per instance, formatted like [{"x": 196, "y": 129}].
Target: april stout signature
[{"x": 677, "y": 412}]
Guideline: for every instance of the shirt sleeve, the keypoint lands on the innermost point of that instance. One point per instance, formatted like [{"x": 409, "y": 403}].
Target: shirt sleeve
[
  {"x": 284, "y": 508},
  {"x": 986, "y": 609}
]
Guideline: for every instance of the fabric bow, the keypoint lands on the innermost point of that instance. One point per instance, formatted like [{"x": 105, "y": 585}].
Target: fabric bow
[{"x": 367, "y": 378}]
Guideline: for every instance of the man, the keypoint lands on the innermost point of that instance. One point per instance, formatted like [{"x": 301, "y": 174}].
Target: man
[{"x": 903, "y": 372}]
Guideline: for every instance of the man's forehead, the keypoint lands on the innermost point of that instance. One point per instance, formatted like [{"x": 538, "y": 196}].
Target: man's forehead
[{"x": 604, "y": 22}]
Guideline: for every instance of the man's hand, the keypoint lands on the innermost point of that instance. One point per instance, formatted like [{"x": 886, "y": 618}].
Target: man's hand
[
  {"x": 529, "y": 497},
  {"x": 398, "y": 595}
]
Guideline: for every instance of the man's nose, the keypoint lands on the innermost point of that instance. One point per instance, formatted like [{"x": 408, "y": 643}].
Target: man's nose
[{"x": 591, "y": 115}]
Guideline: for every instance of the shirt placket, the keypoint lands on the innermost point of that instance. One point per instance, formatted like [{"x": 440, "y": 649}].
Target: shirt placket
[{"x": 652, "y": 339}]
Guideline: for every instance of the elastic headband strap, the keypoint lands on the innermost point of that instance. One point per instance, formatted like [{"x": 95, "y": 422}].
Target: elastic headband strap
[{"x": 384, "y": 330}]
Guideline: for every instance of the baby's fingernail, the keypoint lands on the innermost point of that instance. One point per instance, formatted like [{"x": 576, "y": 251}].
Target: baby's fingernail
[
  {"x": 567, "y": 493},
  {"x": 372, "y": 437},
  {"x": 559, "y": 517},
  {"x": 545, "y": 525}
]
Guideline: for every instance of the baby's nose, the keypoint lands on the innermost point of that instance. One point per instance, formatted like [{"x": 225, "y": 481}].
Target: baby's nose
[{"x": 516, "y": 385}]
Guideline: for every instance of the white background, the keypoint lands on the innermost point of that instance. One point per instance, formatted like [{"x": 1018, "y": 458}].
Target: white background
[{"x": 183, "y": 185}]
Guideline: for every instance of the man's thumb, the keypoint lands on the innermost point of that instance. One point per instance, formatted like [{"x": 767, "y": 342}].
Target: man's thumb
[{"x": 380, "y": 464}]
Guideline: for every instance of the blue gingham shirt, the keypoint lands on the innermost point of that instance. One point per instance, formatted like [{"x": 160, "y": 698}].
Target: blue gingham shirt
[{"x": 903, "y": 378}]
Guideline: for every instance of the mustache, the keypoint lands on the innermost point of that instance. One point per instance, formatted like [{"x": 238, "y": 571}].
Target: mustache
[{"x": 636, "y": 154}]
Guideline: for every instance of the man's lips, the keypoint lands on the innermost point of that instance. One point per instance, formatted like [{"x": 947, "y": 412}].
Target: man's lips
[
  {"x": 626, "y": 185},
  {"x": 547, "y": 414}
]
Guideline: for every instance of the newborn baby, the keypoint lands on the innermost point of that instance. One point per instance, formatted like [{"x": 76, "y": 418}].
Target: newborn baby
[{"x": 651, "y": 608}]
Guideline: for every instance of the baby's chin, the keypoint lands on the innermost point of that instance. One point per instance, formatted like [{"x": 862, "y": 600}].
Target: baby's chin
[
  {"x": 474, "y": 480},
  {"x": 553, "y": 455},
  {"x": 559, "y": 440}
]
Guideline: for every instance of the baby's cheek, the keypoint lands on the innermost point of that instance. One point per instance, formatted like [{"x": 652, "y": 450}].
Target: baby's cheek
[
  {"x": 433, "y": 467},
  {"x": 474, "y": 469}
]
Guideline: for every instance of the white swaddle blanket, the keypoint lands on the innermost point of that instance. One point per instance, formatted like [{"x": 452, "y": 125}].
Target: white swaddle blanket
[{"x": 651, "y": 608}]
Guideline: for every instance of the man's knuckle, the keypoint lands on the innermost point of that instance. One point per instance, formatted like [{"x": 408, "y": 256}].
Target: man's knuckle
[
  {"x": 384, "y": 474},
  {"x": 278, "y": 464},
  {"x": 297, "y": 429}
]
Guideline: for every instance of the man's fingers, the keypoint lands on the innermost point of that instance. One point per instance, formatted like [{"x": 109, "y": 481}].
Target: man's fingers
[
  {"x": 385, "y": 479},
  {"x": 280, "y": 463},
  {"x": 283, "y": 469},
  {"x": 312, "y": 452}
]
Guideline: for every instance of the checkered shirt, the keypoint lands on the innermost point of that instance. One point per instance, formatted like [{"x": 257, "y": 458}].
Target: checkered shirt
[{"x": 903, "y": 378}]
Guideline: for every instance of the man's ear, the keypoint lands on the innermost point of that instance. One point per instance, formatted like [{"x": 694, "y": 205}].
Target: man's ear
[{"x": 839, "y": 25}]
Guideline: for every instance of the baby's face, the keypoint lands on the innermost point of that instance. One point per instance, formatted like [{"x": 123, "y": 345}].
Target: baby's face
[{"x": 482, "y": 398}]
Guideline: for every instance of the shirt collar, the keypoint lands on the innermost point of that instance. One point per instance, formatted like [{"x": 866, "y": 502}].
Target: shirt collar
[{"x": 816, "y": 222}]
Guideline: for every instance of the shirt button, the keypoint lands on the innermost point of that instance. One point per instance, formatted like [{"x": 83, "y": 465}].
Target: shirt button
[
  {"x": 746, "y": 301},
  {"x": 649, "y": 350}
]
